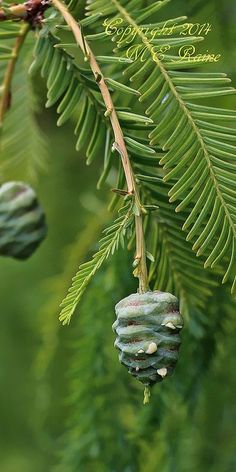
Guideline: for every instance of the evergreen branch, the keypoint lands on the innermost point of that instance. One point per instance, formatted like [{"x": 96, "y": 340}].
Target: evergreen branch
[
  {"x": 110, "y": 110},
  {"x": 119, "y": 145},
  {"x": 72, "y": 88},
  {"x": 175, "y": 268},
  {"x": 198, "y": 154},
  {"x": 7, "y": 81},
  {"x": 107, "y": 246},
  {"x": 23, "y": 145}
]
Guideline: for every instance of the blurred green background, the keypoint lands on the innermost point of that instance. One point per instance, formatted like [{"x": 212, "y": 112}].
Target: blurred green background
[{"x": 66, "y": 404}]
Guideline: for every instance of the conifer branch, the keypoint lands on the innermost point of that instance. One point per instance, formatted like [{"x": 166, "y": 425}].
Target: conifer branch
[
  {"x": 7, "y": 81},
  {"x": 119, "y": 144},
  {"x": 113, "y": 236}
]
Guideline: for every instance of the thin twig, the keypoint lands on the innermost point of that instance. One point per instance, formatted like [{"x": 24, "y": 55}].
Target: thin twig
[
  {"x": 23, "y": 11},
  {"x": 141, "y": 269},
  {"x": 7, "y": 81},
  {"x": 16, "y": 11}
]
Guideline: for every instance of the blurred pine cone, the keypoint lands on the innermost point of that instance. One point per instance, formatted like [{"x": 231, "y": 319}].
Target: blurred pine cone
[{"x": 22, "y": 220}]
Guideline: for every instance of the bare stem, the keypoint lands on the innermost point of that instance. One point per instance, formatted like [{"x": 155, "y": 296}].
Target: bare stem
[
  {"x": 16, "y": 11},
  {"x": 119, "y": 145},
  {"x": 7, "y": 81},
  {"x": 24, "y": 11}
]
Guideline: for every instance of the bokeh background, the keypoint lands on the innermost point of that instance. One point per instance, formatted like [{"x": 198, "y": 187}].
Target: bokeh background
[{"x": 66, "y": 404}]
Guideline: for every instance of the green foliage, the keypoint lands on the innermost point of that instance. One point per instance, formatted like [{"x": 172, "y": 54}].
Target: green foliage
[
  {"x": 109, "y": 431},
  {"x": 97, "y": 368},
  {"x": 71, "y": 85},
  {"x": 201, "y": 181},
  {"x": 23, "y": 146},
  {"x": 114, "y": 236},
  {"x": 180, "y": 136},
  {"x": 173, "y": 255},
  {"x": 199, "y": 157},
  {"x": 27, "y": 160}
]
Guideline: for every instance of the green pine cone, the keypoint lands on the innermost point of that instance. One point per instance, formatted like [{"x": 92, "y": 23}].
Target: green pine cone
[
  {"x": 148, "y": 339},
  {"x": 22, "y": 220}
]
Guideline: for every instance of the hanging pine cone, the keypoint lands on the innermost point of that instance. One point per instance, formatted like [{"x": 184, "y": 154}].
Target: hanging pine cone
[
  {"x": 148, "y": 339},
  {"x": 22, "y": 220}
]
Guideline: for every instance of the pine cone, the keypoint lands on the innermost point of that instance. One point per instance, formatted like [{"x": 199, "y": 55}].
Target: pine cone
[
  {"x": 148, "y": 339},
  {"x": 22, "y": 220}
]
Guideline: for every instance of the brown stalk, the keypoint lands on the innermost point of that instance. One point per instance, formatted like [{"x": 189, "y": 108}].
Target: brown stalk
[
  {"x": 23, "y": 11},
  {"x": 119, "y": 144},
  {"x": 16, "y": 11}
]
